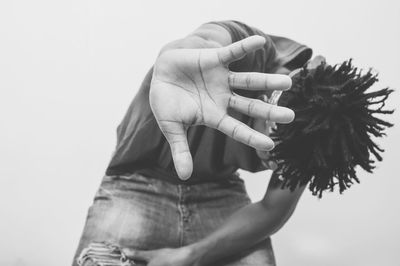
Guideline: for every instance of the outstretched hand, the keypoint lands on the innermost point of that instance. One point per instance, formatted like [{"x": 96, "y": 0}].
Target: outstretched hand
[{"x": 194, "y": 87}]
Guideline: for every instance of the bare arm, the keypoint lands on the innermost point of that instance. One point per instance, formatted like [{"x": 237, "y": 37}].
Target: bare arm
[
  {"x": 249, "y": 225},
  {"x": 256, "y": 221},
  {"x": 245, "y": 228}
]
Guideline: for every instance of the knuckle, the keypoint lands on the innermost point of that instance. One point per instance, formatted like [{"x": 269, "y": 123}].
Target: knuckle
[
  {"x": 248, "y": 81},
  {"x": 231, "y": 79},
  {"x": 233, "y": 101},
  {"x": 234, "y": 131},
  {"x": 219, "y": 57},
  {"x": 251, "y": 106},
  {"x": 242, "y": 48},
  {"x": 232, "y": 53},
  {"x": 266, "y": 82},
  {"x": 249, "y": 140},
  {"x": 268, "y": 111}
]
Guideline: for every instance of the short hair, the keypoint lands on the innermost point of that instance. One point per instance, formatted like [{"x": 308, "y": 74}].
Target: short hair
[{"x": 333, "y": 128}]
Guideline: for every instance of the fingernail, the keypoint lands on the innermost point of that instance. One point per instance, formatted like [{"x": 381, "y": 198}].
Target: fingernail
[
  {"x": 270, "y": 146},
  {"x": 288, "y": 82},
  {"x": 272, "y": 165},
  {"x": 263, "y": 98}
]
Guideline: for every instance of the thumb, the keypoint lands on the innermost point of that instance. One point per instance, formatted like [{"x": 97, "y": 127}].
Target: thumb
[
  {"x": 140, "y": 255},
  {"x": 175, "y": 133}
]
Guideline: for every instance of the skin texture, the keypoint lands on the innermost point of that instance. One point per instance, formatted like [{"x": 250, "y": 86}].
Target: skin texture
[
  {"x": 244, "y": 228},
  {"x": 193, "y": 86},
  {"x": 265, "y": 126}
]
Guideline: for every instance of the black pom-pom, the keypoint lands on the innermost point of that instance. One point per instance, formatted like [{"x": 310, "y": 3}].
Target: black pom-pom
[{"x": 333, "y": 129}]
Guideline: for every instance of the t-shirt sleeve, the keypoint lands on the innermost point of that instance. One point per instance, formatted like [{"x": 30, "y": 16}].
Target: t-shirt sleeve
[{"x": 278, "y": 55}]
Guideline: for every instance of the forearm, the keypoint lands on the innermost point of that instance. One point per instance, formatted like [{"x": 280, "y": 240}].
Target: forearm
[
  {"x": 249, "y": 225},
  {"x": 243, "y": 229}
]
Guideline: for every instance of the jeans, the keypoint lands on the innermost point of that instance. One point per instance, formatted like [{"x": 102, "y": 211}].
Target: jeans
[{"x": 141, "y": 212}]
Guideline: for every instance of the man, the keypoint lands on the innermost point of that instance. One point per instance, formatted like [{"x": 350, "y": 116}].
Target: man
[{"x": 171, "y": 194}]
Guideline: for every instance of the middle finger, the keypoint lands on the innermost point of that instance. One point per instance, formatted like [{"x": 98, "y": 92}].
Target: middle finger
[{"x": 259, "y": 81}]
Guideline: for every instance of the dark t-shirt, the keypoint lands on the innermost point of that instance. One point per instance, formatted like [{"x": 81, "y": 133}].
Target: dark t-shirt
[{"x": 142, "y": 148}]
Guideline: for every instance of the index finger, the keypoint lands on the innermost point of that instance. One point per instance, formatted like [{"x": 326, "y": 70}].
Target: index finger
[
  {"x": 139, "y": 255},
  {"x": 237, "y": 50}
]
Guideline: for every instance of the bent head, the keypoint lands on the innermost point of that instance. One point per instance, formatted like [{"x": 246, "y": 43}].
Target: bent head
[{"x": 332, "y": 131}]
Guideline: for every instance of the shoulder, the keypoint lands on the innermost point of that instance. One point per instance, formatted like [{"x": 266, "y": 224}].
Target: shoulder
[
  {"x": 237, "y": 30},
  {"x": 213, "y": 32},
  {"x": 226, "y": 32}
]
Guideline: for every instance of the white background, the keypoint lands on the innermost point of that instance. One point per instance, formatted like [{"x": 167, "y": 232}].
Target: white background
[{"x": 68, "y": 70}]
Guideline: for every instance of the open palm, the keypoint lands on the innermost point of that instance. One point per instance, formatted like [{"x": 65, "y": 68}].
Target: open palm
[{"x": 194, "y": 87}]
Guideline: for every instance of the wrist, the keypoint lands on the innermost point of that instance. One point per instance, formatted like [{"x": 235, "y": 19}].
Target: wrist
[{"x": 198, "y": 253}]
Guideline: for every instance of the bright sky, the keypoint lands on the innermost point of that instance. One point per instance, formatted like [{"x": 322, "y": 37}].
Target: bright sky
[{"x": 68, "y": 70}]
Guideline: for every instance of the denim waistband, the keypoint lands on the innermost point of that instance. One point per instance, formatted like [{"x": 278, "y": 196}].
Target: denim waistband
[
  {"x": 196, "y": 178},
  {"x": 146, "y": 212}
]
